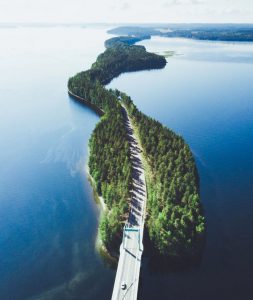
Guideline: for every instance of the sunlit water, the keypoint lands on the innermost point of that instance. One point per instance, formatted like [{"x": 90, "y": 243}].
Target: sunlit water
[{"x": 48, "y": 217}]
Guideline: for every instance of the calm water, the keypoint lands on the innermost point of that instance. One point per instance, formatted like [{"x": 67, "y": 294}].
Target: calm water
[
  {"x": 205, "y": 93},
  {"x": 48, "y": 218}
]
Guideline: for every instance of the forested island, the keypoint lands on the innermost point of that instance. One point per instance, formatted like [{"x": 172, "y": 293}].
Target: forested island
[{"x": 175, "y": 221}]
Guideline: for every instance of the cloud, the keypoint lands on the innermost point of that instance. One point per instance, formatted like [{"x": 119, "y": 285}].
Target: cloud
[
  {"x": 120, "y": 6},
  {"x": 125, "y": 6},
  {"x": 183, "y": 2},
  {"x": 122, "y": 11},
  {"x": 197, "y": 2}
]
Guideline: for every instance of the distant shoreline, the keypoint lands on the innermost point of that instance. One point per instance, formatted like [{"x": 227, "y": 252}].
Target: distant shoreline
[{"x": 202, "y": 32}]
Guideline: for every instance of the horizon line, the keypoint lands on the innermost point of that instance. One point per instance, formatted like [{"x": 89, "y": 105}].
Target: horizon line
[{"x": 125, "y": 23}]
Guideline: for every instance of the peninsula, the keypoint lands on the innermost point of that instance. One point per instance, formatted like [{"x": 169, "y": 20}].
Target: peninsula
[{"x": 175, "y": 223}]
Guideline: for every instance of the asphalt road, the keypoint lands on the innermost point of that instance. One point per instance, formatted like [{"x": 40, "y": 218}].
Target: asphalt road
[{"x": 131, "y": 249}]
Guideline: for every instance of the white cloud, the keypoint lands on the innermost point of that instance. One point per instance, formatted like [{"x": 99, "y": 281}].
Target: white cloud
[{"x": 125, "y": 5}]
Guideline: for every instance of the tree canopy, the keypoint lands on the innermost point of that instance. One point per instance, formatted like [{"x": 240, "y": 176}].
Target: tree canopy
[{"x": 175, "y": 219}]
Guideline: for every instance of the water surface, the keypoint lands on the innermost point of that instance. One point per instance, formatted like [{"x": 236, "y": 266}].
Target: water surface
[
  {"x": 48, "y": 217},
  {"x": 205, "y": 93}
]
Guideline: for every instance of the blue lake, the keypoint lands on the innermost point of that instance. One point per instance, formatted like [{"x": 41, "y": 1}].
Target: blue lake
[
  {"x": 48, "y": 216},
  {"x": 205, "y": 94}
]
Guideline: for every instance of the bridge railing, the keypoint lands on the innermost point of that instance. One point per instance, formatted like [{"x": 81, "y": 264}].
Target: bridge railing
[{"x": 133, "y": 229}]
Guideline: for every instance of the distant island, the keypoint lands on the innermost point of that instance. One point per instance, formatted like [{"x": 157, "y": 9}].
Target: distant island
[
  {"x": 211, "y": 32},
  {"x": 175, "y": 223}
]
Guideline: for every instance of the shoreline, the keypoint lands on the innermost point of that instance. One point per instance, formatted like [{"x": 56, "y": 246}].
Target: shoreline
[
  {"x": 100, "y": 199},
  {"x": 97, "y": 109},
  {"x": 84, "y": 84},
  {"x": 99, "y": 245}
]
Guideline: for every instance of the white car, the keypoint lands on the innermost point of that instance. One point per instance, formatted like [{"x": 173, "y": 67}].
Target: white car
[{"x": 123, "y": 285}]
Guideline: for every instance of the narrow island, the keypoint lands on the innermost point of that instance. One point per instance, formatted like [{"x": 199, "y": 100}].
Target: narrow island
[{"x": 174, "y": 223}]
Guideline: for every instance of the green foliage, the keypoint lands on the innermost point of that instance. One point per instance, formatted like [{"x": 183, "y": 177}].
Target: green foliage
[
  {"x": 125, "y": 58},
  {"x": 175, "y": 222},
  {"x": 110, "y": 228},
  {"x": 115, "y": 60},
  {"x": 129, "y": 40},
  {"x": 109, "y": 160}
]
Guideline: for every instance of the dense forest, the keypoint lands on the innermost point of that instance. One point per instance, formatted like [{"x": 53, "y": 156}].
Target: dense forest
[
  {"x": 115, "y": 60},
  {"x": 128, "y": 40},
  {"x": 109, "y": 160},
  {"x": 110, "y": 167},
  {"x": 175, "y": 221}
]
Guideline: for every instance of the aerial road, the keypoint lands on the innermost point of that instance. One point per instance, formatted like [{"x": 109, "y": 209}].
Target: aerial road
[{"x": 127, "y": 276}]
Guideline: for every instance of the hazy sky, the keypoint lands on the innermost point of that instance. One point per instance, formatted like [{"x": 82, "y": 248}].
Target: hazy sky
[{"x": 126, "y": 11}]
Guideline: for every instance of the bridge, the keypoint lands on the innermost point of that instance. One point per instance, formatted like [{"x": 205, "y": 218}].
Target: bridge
[{"x": 128, "y": 271}]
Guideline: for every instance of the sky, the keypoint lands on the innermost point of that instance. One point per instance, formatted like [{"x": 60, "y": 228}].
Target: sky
[{"x": 126, "y": 11}]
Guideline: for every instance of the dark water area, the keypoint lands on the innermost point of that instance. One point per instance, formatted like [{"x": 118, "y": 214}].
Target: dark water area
[
  {"x": 48, "y": 216},
  {"x": 205, "y": 93}
]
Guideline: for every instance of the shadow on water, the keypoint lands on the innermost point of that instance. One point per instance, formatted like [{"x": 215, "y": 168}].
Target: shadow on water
[
  {"x": 158, "y": 264},
  {"x": 83, "y": 106}
]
